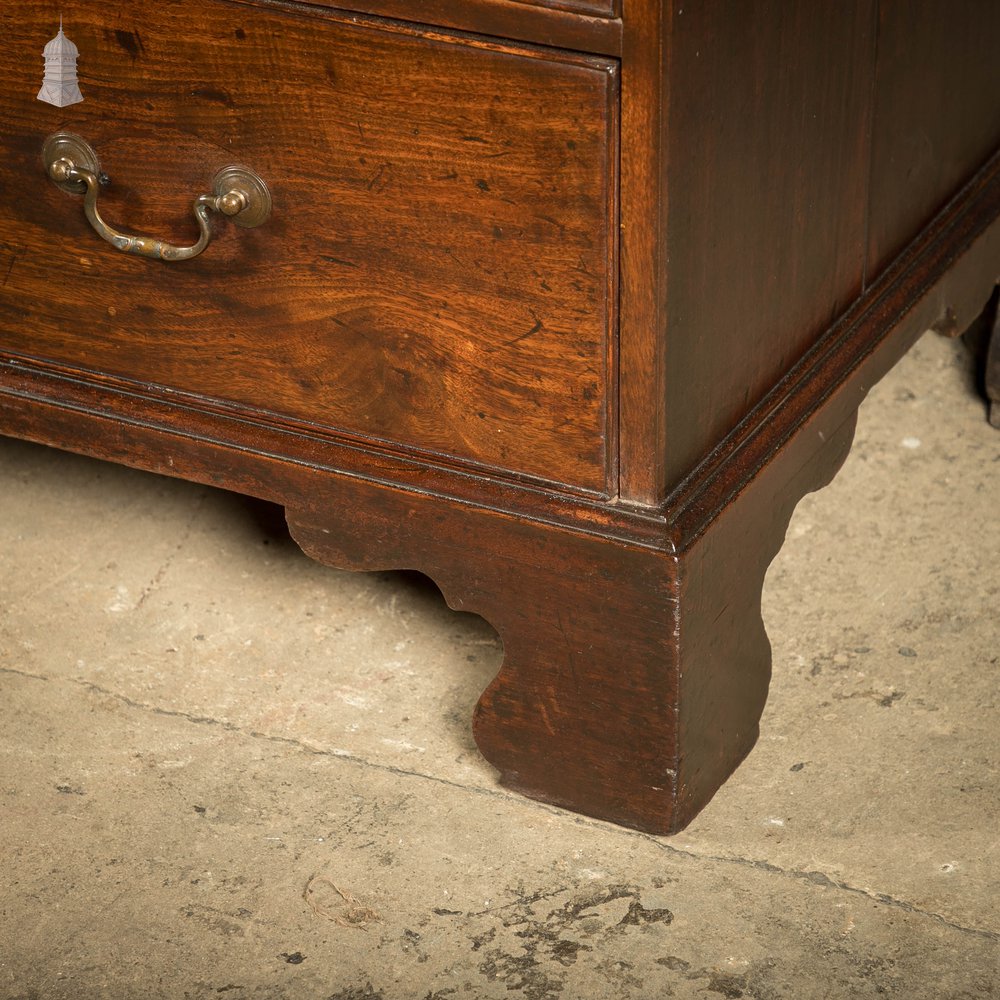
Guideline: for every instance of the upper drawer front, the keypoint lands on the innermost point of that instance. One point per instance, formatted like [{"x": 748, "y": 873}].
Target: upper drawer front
[
  {"x": 438, "y": 272},
  {"x": 581, "y": 25},
  {"x": 596, "y": 8}
]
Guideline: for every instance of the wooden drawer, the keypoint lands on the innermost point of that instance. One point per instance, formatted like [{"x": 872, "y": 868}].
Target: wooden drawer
[
  {"x": 580, "y": 25},
  {"x": 438, "y": 274},
  {"x": 590, "y": 8},
  {"x": 430, "y": 10},
  {"x": 596, "y": 8}
]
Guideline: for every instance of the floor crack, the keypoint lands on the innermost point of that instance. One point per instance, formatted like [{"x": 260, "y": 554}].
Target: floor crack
[
  {"x": 24, "y": 673},
  {"x": 801, "y": 875},
  {"x": 288, "y": 741},
  {"x": 154, "y": 584},
  {"x": 824, "y": 880}
]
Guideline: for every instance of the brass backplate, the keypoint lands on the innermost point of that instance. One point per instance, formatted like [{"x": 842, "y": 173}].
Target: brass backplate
[
  {"x": 67, "y": 146},
  {"x": 234, "y": 178}
]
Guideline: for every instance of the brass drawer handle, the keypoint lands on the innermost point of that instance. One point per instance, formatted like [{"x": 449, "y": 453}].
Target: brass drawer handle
[{"x": 237, "y": 192}]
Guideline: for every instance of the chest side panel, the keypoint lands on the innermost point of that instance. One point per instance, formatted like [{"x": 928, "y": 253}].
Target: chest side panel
[
  {"x": 767, "y": 162},
  {"x": 937, "y": 113}
]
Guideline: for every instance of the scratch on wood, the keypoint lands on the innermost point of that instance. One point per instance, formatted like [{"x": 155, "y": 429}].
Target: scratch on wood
[
  {"x": 545, "y": 718},
  {"x": 518, "y": 339},
  {"x": 12, "y": 252},
  {"x": 554, "y": 222},
  {"x": 338, "y": 260},
  {"x": 379, "y": 180}
]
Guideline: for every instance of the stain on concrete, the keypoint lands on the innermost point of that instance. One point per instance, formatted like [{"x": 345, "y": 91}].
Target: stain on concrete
[
  {"x": 550, "y": 944},
  {"x": 227, "y": 924},
  {"x": 358, "y": 993},
  {"x": 726, "y": 985}
]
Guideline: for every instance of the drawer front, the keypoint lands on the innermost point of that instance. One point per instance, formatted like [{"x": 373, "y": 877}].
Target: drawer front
[
  {"x": 438, "y": 273},
  {"x": 595, "y": 8},
  {"x": 580, "y": 25}
]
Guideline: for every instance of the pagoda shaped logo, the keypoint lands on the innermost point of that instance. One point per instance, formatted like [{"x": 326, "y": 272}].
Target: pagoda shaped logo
[{"x": 60, "y": 86}]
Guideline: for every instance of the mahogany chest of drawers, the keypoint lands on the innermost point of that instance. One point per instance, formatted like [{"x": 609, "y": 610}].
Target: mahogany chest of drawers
[{"x": 564, "y": 303}]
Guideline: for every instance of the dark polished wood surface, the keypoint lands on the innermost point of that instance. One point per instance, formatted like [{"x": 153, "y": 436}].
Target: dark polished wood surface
[
  {"x": 792, "y": 151},
  {"x": 765, "y": 202},
  {"x": 782, "y": 244},
  {"x": 932, "y": 128},
  {"x": 991, "y": 368}
]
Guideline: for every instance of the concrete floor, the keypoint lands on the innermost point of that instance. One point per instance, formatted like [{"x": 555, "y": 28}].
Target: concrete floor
[{"x": 229, "y": 772}]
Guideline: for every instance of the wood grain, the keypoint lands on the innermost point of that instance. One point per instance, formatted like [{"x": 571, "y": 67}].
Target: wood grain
[
  {"x": 587, "y": 26},
  {"x": 580, "y": 713},
  {"x": 600, "y": 8},
  {"x": 438, "y": 273},
  {"x": 766, "y": 179},
  {"x": 991, "y": 368},
  {"x": 933, "y": 127},
  {"x": 643, "y": 442}
]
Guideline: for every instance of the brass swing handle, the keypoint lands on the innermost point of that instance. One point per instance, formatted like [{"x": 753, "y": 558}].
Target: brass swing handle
[{"x": 237, "y": 193}]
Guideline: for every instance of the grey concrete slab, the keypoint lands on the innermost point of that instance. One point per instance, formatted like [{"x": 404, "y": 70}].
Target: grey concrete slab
[
  {"x": 171, "y": 858},
  {"x": 226, "y": 771},
  {"x": 198, "y": 601}
]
